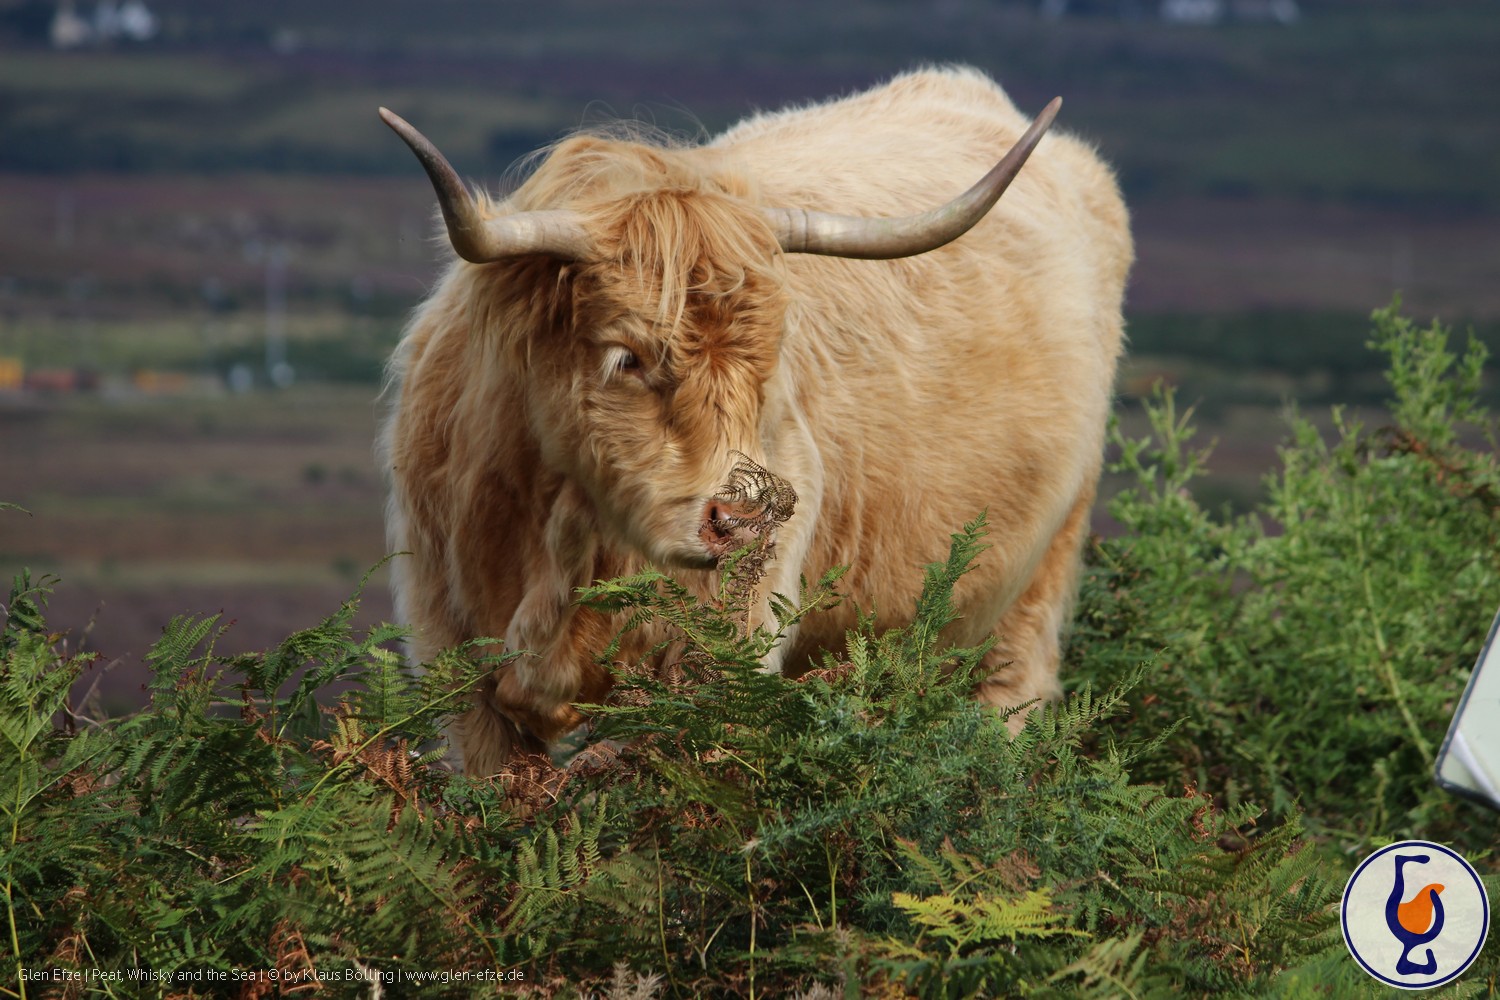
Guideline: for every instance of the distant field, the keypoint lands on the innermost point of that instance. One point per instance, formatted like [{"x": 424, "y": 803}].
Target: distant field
[
  {"x": 49, "y": 76},
  {"x": 1378, "y": 102},
  {"x": 118, "y": 246},
  {"x": 264, "y": 507}
]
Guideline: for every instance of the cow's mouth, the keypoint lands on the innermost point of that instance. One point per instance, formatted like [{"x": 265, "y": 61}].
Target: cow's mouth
[{"x": 747, "y": 509}]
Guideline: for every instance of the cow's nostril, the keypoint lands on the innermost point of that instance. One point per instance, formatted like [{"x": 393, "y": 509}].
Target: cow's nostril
[{"x": 716, "y": 521}]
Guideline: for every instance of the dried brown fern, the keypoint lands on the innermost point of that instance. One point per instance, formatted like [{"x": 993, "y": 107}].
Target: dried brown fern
[{"x": 762, "y": 501}]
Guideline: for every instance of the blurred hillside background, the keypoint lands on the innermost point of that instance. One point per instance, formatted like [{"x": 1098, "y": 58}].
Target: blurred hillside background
[{"x": 208, "y": 242}]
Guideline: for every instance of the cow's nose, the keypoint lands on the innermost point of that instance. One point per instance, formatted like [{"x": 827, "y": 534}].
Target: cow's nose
[
  {"x": 747, "y": 507},
  {"x": 728, "y": 525}
]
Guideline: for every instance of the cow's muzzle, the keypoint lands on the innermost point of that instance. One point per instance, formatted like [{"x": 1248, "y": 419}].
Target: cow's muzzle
[{"x": 747, "y": 509}]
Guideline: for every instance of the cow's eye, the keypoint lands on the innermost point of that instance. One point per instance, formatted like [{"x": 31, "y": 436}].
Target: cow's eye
[{"x": 621, "y": 360}]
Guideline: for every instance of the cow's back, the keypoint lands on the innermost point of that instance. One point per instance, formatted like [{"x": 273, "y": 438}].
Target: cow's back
[{"x": 977, "y": 376}]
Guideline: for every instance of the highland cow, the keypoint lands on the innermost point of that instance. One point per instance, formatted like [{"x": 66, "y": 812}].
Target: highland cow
[{"x": 638, "y": 321}]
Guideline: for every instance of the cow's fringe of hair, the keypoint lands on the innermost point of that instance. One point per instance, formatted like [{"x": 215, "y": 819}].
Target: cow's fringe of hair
[
  {"x": 682, "y": 246},
  {"x": 679, "y": 219}
]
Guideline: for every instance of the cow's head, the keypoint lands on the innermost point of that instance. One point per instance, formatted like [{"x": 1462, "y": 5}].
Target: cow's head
[{"x": 650, "y": 304}]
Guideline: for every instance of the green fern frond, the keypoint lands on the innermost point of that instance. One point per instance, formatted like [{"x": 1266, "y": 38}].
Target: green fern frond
[
  {"x": 1113, "y": 969},
  {"x": 23, "y": 611},
  {"x": 982, "y": 920}
]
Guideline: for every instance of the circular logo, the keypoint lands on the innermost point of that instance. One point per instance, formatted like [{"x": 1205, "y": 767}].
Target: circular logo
[{"x": 1415, "y": 915}]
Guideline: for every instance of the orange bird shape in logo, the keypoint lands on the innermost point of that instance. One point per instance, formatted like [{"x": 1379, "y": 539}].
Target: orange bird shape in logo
[{"x": 1416, "y": 914}]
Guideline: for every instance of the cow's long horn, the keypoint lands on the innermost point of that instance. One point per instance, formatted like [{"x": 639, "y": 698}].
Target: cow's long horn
[
  {"x": 802, "y": 231},
  {"x": 480, "y": 240}
]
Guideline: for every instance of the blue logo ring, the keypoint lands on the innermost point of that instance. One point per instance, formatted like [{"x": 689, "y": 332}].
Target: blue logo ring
[{"x": 1460, "y": 967}]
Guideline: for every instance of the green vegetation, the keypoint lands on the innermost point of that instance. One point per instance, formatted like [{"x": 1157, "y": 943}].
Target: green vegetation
[
  {"x": 326, "y": 348},
  {"x": 1323, "y": 638},
  {"x": 1253, "y": 704}
]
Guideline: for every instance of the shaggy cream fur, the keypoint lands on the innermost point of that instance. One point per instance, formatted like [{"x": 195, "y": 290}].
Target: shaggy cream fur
[{"x": 556, "y": 422}]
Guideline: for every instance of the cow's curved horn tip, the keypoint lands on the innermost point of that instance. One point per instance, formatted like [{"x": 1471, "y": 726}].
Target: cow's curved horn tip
[{"x": 390, "y": 117}]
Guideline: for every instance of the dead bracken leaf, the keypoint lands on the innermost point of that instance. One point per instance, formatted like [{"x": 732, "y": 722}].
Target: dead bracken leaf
[{"x": 764, "y": 498}]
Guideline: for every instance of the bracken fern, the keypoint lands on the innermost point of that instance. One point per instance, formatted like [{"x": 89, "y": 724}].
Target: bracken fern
[{"x": 1253, "y": 703}]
